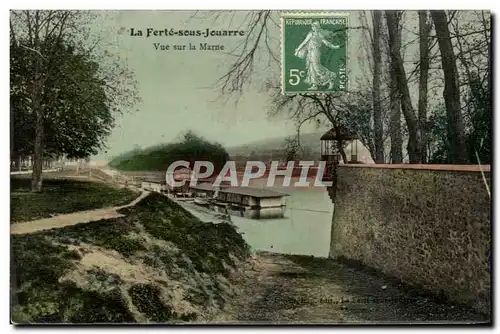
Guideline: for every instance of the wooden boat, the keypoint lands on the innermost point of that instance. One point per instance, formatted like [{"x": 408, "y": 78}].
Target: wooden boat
[
  {"x": 201, "y": 201},
  {"x": 183, "y": 199}
]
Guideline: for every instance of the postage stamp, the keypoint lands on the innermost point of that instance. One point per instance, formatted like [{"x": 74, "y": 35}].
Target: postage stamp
[{"x": 314, "y": 51}]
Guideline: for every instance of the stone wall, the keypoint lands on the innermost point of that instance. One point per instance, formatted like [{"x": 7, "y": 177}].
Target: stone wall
[{"x": 426, "y": 225}]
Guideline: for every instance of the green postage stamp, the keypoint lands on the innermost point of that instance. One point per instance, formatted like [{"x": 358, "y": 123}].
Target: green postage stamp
[{"x": 314, "y": 52}]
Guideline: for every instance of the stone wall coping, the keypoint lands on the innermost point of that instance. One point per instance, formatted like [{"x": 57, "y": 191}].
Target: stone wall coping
[{"x": 448, "y": 168}]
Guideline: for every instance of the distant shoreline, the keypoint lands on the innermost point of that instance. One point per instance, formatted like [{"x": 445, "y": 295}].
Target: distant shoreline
[{"x": 260, "y": 181}]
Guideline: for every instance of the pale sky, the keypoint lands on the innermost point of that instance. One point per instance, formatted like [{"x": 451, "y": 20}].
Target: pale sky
[{"x": 177, "y": 87}]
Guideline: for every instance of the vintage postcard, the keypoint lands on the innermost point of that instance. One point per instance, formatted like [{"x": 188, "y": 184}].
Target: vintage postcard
[{"x": 250, "y": 167}]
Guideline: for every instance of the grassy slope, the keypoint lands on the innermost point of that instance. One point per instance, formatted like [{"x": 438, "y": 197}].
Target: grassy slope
[
  {"x": 157, "y": 264},
  {"x": 62, "y": 196}
]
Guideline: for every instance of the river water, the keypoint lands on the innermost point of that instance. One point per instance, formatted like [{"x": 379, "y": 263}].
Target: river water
[{"x": 304, "y": 230}]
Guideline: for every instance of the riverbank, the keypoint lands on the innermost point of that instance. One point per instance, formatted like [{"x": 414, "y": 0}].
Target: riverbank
[
  {"x": 157, "y": 263},
  {"x": 304, "y": 230}
]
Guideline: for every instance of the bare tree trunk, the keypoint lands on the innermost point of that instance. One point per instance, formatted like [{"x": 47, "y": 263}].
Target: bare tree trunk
[
  {"x": 424, "y": 30},
  {"x": 377, "y": 69},
  {"x": 490, "y": 75},
  {"x": 36, "y": 98},
  {"x": 340, "y": 147},
  {"x": 490, "y": 63},
  {"x": 451, "y": 93},
  {"x": 395, "y": 120},
  {"x": 342, "y": 152},
  {"x": 36, "y": 176},
  {"x": 12, "y": 147},
  {"x": 402, "y": 83}
]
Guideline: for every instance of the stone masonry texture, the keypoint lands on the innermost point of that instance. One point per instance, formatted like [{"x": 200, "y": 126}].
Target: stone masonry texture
[{"x": 428, "y": 228}]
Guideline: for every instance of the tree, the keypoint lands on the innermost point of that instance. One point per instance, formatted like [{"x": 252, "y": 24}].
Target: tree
[
  {"x": 413, "y": 147},
  {"x": 79, "y": 118},
  {"x": 194, "y": 148},
  {"x": 437, "y": 144},
  {"x": 292, "y": 148},
  {"x": 424, "y": 31},
  {"x": 260, "y": 42},
  {"x": 394, "y": 102},
  {"x": 358, "y": 119},
  {"x": 377, "y": 69},
  {"x": 392, "y": 85},
  {"x": 479, "y": 136},
  {"x": 395, "y": 118},
  {"x": 473, "y": 43},
  {"x": 59, "y": 83},
  {"x": 451, "y": 92},
  {"x": 41, "y": 28}
]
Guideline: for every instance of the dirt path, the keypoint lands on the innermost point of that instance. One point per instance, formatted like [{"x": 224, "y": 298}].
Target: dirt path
[
  {"x": 60, "y": 221},
  {"x": 302, "y": 289}
]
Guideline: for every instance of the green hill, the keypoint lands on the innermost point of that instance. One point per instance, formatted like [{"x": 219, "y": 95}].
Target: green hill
[{"x": 159, "y": 157}]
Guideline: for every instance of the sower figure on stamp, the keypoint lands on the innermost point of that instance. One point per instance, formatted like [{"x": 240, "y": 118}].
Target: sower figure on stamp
[{"x": 310, "y": 49}]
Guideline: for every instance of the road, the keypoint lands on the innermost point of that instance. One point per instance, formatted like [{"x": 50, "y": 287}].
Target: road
[
  {"x": 60, "y": 221},
  {"x": 286, "y": 289}
]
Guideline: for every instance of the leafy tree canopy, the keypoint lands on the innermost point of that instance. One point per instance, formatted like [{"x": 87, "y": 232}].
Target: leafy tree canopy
[{"x": 77, "y": 116}]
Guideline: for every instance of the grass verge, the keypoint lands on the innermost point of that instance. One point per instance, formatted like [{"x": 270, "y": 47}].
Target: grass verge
[
  {"x": 156, "y": 264},
  {"x": 61, "y": 196}
]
